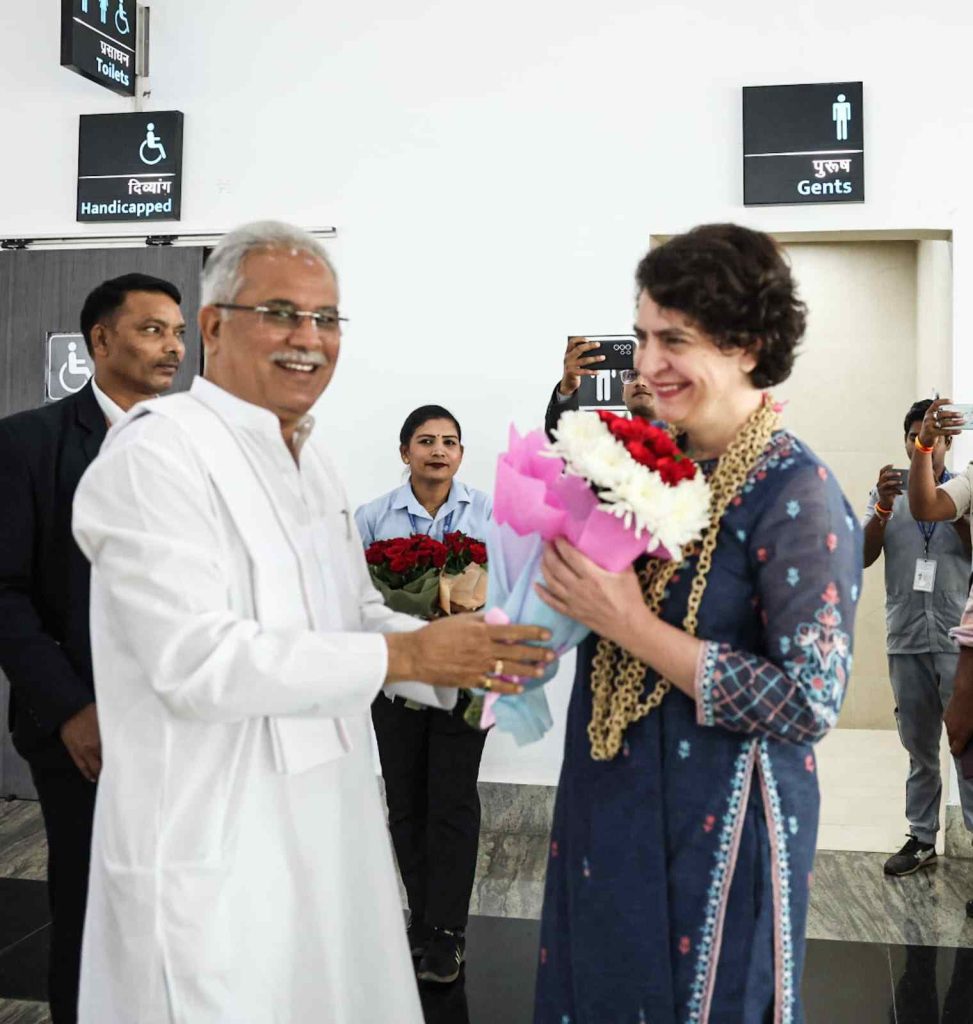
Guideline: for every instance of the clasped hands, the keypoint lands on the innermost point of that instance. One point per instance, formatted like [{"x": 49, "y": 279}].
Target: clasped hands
[{"x": 464, "y": 651}]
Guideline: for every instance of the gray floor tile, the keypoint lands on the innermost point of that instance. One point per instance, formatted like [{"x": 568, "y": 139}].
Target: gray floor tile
[
  {"x": 852, "y": 900},
  {"x": 14, "y": 1011},
  {"x": 23, "y": 848}
]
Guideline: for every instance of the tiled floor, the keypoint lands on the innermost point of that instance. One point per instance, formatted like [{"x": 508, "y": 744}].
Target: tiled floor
[{"x": 911, "y": 961}]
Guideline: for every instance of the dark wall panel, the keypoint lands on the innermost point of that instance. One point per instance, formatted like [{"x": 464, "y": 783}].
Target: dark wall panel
[{"x": 43, "y": 291}]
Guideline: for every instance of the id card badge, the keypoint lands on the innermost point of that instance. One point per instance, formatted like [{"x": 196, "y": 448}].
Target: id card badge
[{"x": 925, "y": 578}]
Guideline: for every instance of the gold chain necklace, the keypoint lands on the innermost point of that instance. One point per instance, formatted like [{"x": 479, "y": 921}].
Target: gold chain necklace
[{"x": 617, "y": 676}]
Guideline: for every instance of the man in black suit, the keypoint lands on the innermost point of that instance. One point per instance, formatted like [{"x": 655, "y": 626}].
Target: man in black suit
[
  {"x": 581, "y": 359},
  {"x": 133, "y": 329}
]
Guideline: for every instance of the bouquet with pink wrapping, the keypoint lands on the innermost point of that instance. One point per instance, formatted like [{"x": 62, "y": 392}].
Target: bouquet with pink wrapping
[{"x": 616, "y": 489}]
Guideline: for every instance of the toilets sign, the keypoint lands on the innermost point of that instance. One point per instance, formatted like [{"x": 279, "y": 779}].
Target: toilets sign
[
  {"x": 130, "y": 166},
  {"x": 803, "y": 144},
  {"x": 98, "y": 41}
]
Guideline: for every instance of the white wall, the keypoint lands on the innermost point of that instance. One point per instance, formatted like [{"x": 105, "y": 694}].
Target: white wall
[{"x": 496, "y": 170}]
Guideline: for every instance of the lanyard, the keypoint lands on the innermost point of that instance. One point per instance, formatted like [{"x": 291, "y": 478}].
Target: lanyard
[
  {"x": 447, "y": 523},
  {"x": 929, "y": 529}
]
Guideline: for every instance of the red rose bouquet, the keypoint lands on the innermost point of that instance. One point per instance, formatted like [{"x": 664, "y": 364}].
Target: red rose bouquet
[{"x": 425, "y": 577}]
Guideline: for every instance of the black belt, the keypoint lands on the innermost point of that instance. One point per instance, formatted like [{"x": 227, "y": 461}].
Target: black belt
[{"x": 462, "y": 702}]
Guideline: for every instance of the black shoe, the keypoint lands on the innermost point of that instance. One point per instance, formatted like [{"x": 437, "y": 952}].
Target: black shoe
[
  {"x": 443, "y": 957},
  {"x": 910, "y": 858},
  {"x": 969, "y": 909},
  {"x": 419, "y": 935}
]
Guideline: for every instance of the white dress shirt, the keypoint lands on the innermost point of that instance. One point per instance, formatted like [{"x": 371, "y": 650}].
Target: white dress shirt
[{"x": 110, "y": 409}]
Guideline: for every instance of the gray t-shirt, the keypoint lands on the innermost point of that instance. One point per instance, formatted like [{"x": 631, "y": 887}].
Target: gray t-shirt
[{"x": 917, "y": 622}]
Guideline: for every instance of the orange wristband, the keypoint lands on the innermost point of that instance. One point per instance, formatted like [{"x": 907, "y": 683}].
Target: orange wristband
[
  {"x": 882, "y": 513},
  {"x": 920, "y": 447}
]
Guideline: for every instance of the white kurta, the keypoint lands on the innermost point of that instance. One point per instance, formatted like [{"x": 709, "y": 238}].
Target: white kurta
[{"x": 241, "y": 870}]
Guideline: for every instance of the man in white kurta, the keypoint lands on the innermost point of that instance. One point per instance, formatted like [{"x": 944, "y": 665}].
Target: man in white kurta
[{"x": 241, "y": 868}]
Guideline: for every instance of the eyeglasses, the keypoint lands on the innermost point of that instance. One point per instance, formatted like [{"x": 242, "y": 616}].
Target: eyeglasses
[
  {"x": 630, "y": 376},
  {"x": 285, "y": 320}
]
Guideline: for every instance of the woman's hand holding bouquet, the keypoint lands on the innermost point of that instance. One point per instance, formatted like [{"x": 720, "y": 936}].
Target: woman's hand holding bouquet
[{"x": 615, "y": 489}]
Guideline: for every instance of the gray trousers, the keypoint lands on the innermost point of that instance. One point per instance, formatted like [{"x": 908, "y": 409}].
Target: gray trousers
[{"x": 923, "y": 685}]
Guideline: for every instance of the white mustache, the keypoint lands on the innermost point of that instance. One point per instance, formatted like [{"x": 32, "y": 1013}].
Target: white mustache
[{"x": 302, "y": 358}]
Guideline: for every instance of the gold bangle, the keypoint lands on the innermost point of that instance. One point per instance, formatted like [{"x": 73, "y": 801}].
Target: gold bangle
[{"x": 920, "y": 447}]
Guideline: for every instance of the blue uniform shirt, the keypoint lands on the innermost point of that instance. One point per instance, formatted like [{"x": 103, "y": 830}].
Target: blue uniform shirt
[{"x": 387, "y": 517}]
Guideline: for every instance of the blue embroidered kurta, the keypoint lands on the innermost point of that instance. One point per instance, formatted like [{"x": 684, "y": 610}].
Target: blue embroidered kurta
[{"x": 679, "y": 872}]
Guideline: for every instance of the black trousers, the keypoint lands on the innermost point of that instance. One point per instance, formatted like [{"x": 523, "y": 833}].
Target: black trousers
[
  {"x": 430, "y": 763},
  {"x": 68, "y": 805}
]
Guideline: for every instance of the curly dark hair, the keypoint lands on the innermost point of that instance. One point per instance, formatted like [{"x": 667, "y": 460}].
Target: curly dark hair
[{"x": 736, "y": 285}]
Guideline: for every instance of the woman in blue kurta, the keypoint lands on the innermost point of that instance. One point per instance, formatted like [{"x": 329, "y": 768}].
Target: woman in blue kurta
[{"x": 685, "y": 825}]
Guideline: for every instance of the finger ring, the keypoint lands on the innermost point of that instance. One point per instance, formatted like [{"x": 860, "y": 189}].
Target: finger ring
[
  {"x": 487, "y": 683},
  {"x": 498, "y": 668}
]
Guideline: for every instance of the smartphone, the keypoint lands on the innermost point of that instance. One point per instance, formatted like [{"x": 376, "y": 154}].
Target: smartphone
[
  {"x": 967, "y": 412},
  {"x": 618, "y": 350},
  {"x": 904, "y": 478}
]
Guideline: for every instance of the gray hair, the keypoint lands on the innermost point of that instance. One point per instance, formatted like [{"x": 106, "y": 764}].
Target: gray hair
[{"x": 222, "y": 276}]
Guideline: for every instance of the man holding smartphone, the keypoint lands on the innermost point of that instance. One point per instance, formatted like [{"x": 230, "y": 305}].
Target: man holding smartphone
[
  {"x": 927, "y": 568},
  {"x": 586, "y": 358}
]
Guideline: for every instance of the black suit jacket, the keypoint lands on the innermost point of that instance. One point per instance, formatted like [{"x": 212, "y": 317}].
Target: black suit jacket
[
  {"x": 555, "y": 408},
  {"x": 45, "y": 648}
]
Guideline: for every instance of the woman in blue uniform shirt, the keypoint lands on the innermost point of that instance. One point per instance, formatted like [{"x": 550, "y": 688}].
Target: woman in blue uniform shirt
[{"x": 430, "y": 758}]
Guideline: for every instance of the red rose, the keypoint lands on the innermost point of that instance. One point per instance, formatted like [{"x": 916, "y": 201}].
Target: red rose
[
  {"x": 478, "y": 552},
  {"x": 401, "y": 564},
  {"x": 375, "y": 554},
  {"x": 641, "y": 453}
]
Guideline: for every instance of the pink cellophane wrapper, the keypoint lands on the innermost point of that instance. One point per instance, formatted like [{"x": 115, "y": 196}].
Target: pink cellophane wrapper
[{"x": 534, "y": 495}]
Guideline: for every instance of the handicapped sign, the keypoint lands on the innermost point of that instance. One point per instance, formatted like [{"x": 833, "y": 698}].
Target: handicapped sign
[
  {"x": 68, "y": 365},
  {"x": 152, "y": 142}
]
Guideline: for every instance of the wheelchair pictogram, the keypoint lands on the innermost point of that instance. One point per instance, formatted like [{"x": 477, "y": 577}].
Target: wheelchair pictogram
[
  {"x": 68, "y": 366},
  {"x": 152, "y": 141},
  {"x": 121, "y": 19}
]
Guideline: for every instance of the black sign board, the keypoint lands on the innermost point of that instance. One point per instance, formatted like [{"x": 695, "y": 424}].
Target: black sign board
[
  {"x": 803, "y": 144},
  {"x": 98, "y": 41},
  {"x": 604, "y": 390},
  {"x": 130, "y": 166}
]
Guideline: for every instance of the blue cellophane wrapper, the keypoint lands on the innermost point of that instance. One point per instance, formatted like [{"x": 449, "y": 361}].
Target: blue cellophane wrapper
[{"x": 514, "y": 569}]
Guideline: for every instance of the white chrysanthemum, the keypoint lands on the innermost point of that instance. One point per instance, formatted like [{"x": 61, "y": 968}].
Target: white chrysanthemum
[
  {"x": 576, "y": 431},
  {"x": 637, "y": 495},
  {"x": 604, "y": 463}
]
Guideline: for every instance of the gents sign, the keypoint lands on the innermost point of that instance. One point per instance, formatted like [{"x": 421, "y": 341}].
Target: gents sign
[
  {"x": 98, "y": 41},
  {"x": 803, "y": 144},
  {"x": 130, "y": 166}
]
